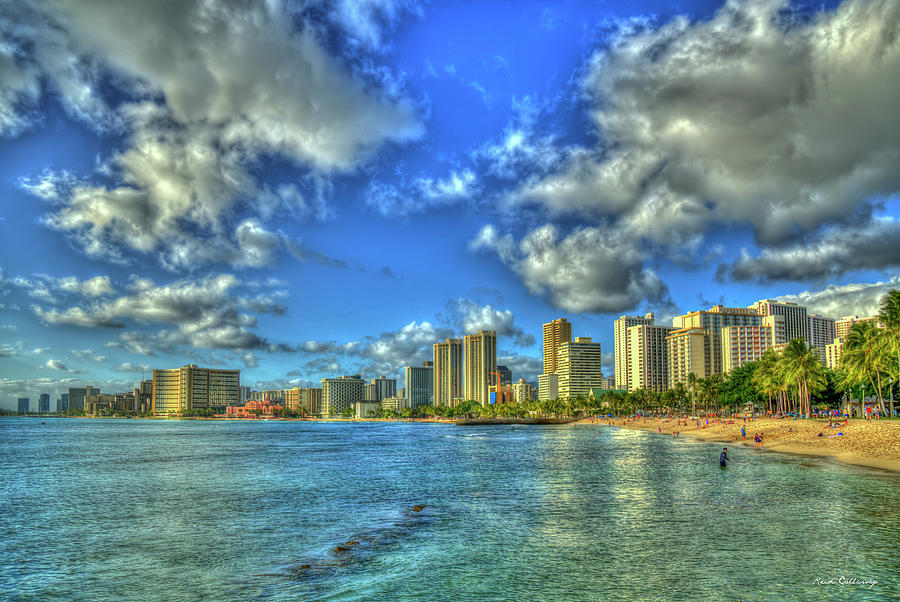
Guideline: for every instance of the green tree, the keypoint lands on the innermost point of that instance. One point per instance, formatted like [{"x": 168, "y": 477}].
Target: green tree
[
  {"x": 889, "y": 316},
  {"x": 738, "y": 387},
  {"x": 803, "y": 371}
]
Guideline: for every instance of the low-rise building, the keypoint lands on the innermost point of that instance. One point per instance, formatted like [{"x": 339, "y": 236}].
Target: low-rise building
[
  {"x": 548, "y": 386},
  {"x": 366, "y": 409},
  {"x": 252, "y": 409}
]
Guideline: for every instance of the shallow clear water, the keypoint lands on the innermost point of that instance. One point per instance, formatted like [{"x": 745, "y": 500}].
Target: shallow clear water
[{"x": 169, "y": 510}]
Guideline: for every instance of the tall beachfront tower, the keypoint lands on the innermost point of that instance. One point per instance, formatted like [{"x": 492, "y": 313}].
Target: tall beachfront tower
[
  {"x": 419, "y": 384},
  {"x": 556, "y": 333},
  {"x": 579, "y": 367},
  {"x": 648, "y": 363},
  {"x": 480, "y": 363},
  {"x": 448, "y": 372},
  {"x": 622, "y": 347},
  {"x": 821, "y": 333},
  {"x": 193, "y": 388},
  {"x": 796, "y": 322},
  {"x": 683, "y": 348},
  {"x": 338, "y": 394}
]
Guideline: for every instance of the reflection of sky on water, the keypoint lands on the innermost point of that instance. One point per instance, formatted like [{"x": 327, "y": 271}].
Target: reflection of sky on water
[{"x": 516, "y": 513}]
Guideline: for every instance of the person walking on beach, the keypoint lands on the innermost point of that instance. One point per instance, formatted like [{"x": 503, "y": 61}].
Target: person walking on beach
[
  {"x": 743, "y": 433},
  {"x": 723, "y": 457}
]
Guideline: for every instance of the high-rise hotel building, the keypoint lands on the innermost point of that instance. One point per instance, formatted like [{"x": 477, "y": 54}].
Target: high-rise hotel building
[
  {"x": 338, "y": 394},
  {"x": 480, "y": 364},
  {"x": 743, "y": 344},
  {"x": 448, "y": 372},
  {"x": 622, "y": 347},
  {"x": 647, "y": 365},
  {"x": 303, "y": 398},
  {"x": 578, "y": 367},
  {"x": 821, "y": 333},
  {"x": 710, "y": 322},
  {"x": 556, "y": 333},
  {"x": 686, "y": 353},
  {"x": 796, "y": 322},
  {"x": 419, "y": 384},
  {"x": 188, "y": 388}
]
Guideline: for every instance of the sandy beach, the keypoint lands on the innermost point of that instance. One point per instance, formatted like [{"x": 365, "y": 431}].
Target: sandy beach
[{"x": 873, "y": 443}]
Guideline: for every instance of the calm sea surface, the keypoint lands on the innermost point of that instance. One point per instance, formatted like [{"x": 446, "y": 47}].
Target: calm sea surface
[{"x": 182, "y": 510}]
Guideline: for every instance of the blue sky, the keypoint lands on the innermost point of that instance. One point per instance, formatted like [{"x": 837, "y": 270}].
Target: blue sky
[{"x": 302, "y": 190}]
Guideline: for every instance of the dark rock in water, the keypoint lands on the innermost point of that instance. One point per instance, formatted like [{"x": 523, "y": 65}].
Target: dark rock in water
[
  {"x": 353, "y": 543},
  {"x": 341, "y": 549},
  {"x": 303, "y": 567},
  {"x": 418, "y": 508}
]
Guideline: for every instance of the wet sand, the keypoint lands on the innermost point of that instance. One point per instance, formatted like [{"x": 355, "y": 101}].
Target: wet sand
[{"x": 873, "y": 443}]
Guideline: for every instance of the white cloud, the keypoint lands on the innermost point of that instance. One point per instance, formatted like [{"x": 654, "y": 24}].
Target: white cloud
[
  {"x": 869, "y": 246},
  {"x": 204, "y": 312},
  {"x": 57, "y": 365},
  {"x": 364, "y": 21},
  {"x": 214, "y": 88},
  {"x": 129, "y": 367},
  {"x": 422, "y": 194},
  {"x": 93, "y": 287},
  {"x": 472, "y": 317},
  {"x": 89, "y": 354},
  {"x": 837, "y": 301},
  {"x": 590, "y": 270},
  {"x": 250, "y": 360},
  {"x": 754, "y": 116},
  {"x": 522, "y": 366}
]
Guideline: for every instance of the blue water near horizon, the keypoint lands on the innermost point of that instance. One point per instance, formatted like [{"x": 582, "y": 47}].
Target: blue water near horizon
[{"x": 249, "y": 510}]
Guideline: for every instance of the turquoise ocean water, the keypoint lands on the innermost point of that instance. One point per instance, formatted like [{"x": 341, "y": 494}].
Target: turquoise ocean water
[{"x": 183, "y": 510}]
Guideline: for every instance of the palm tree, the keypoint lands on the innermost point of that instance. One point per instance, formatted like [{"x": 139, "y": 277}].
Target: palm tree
[
  {"x": 692, "y": 386},
  {"x": 889, "y": 316},
  {"x": 764, "y": 377},
  {"x": 865, "y": 357},
  {"x": 803, "y": 369}
]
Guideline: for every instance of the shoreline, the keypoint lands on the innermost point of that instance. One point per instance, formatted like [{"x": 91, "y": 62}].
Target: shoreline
[{"x": 870, "y": 444}]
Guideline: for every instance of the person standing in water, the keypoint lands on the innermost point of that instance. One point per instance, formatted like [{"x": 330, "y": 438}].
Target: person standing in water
[{"x": 723, "y": 457}]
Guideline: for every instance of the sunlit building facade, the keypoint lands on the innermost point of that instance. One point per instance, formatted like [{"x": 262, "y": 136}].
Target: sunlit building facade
[
  {"x": 448, "y": 372},
  {"x": 579, "y": 367},
  {"x": 622, "y": 346},
  {"x": 480, "y": 364},
  {"x": 191, "y": 388},
  {"x": 556, "y": 332}
]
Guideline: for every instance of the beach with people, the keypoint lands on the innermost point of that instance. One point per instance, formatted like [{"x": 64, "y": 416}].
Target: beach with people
[{"x": 872, "y": 443}]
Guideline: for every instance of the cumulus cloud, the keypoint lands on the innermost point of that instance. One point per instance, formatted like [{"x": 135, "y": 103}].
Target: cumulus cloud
[
  {"x": 10, "y": 388},
  {"x": 47, "y": 288},
  {"x": 871, "y": 246},
  {"x": 472, "y": 317},
  {"x": 89, "y": 354},
  {"x": 250, "y": 360},
  {"x": 129, "y": 367},
  {"x": 204, "y": 312},
  {"x": 422, "y": 193},
  {"x": 753, "y": 116},
  {"x": 8, "y": 351},
  {"x": 837, "y": 301},
  {"x": 590, "y": 270},
  {"x": 385, "y": 353},
  {"x": 364, "y": 21},
  {"x": 57, "y": 365},
  {"x": 522, "y": 366},
  {"x": 93, "y": 287},
  {"x": 209, "y": 89}
]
